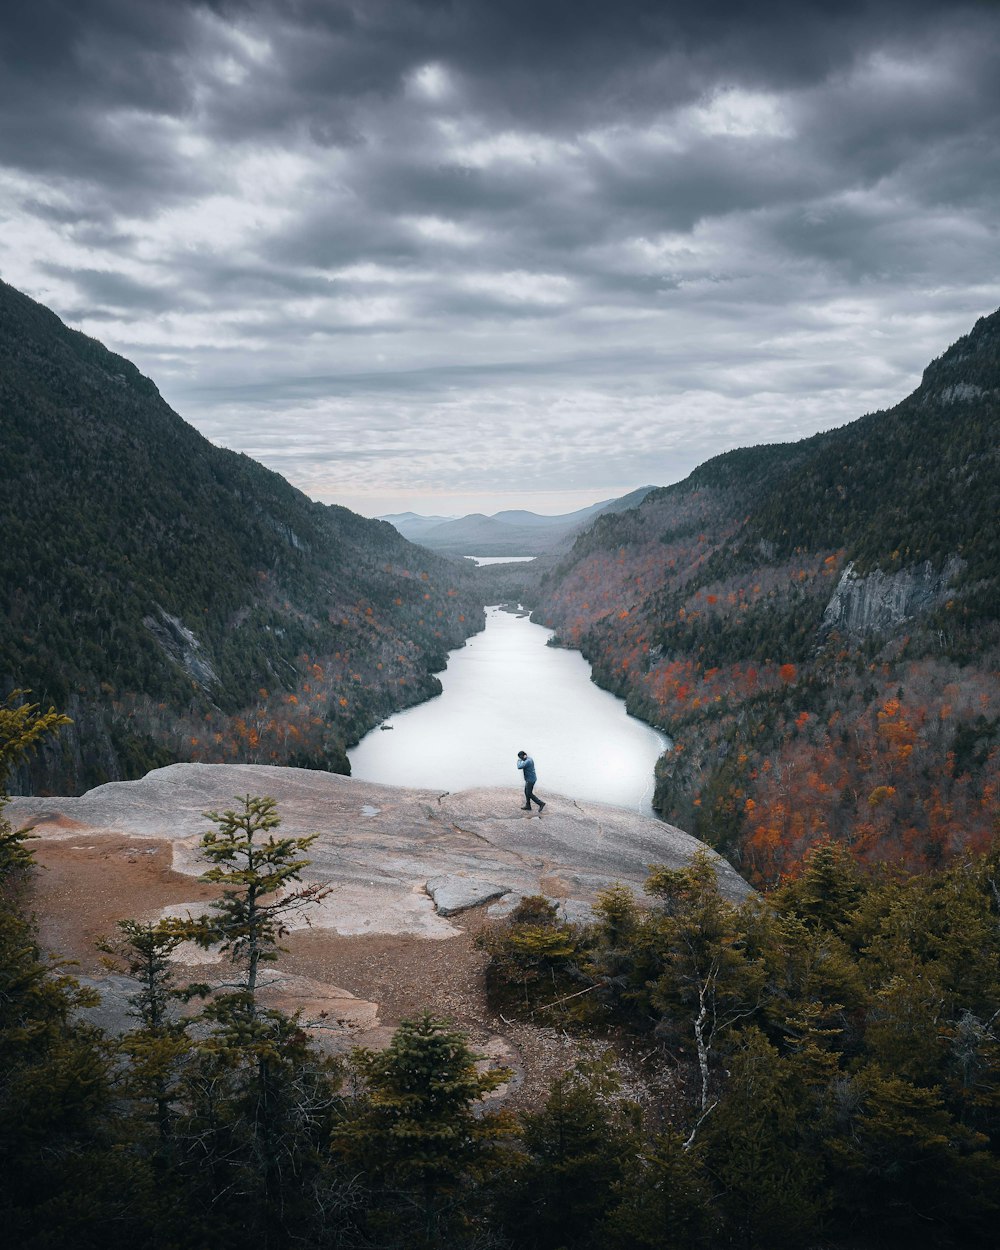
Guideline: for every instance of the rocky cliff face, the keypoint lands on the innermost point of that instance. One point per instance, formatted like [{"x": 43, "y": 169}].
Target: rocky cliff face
[
  {"x": 181, "y": 647},
  {"x": 879, "y": 602}
]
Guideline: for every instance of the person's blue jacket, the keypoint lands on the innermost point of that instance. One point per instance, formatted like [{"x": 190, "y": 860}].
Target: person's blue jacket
[{"x": 528, "y": 764}]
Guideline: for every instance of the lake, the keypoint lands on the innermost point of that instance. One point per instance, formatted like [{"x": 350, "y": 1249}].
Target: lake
[
  {"x": 482, "y": 561},
  {"x": 505, "y": 691}
]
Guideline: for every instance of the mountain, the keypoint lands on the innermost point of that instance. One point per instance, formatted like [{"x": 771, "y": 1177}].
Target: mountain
[
  {"x": 817, "y": 626},
  {"x": 180, "y": 601},
  {"x": 514, "y": 532},
  {"x": 412, "y": 525}
]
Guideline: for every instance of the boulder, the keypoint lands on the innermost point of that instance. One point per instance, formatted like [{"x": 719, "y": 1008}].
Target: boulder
[{"x": 452, "y": 894}]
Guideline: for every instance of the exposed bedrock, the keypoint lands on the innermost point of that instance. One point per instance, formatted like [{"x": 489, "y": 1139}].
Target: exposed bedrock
[
  {"x": 399, "y": 863},
  {"x": 878, "y": 601},
  {"x": 400, "y": 860}
]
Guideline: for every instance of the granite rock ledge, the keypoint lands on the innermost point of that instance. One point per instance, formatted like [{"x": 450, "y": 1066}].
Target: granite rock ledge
[{"x": 399, "y": 860}]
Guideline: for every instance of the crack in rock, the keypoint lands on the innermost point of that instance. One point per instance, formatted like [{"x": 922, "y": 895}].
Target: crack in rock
[{"x": 471, "y": 833}]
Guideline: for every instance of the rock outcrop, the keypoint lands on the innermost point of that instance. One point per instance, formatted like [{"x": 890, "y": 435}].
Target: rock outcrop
[
  {"x": 181, "y": 646},
  {"x": 880, "y": 601},
  {"x": 399, "y": 860},
  {"x": 401, "y": 864}
]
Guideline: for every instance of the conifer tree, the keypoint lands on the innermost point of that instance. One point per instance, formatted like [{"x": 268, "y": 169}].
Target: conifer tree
[
  {"x": 709, "y": 979},
  {"x": 770, "y": 1189},
  {"x": 157, "y": 1048},
  {"x": 828, "y": 889},
  {"x": 254, "y": 873},
  {"x": 532, "y": 951},
  {"x": 419, "y": 1133},
  {"x": 909, "y": 1172},
  {"x": 666, "y": 1201},
  {"x": 259, "y": 1099},
  {"x": 578, "y": 1148},
  {"x": 61, "y": 1180},
  {"x": 619, "y": 959},
  {"x": 22, "y": 728}
]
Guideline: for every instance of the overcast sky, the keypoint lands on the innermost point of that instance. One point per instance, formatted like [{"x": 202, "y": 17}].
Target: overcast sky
[{"x": 471, "y": 255}]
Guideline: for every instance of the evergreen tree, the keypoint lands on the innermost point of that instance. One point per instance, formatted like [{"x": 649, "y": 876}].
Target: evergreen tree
[
  {"x": 64, "y": 1177},
  {"x": 254, "y": 874},
  {"x": 419, "y": 1135},
  {"x": 533, "y": 951},
  {"x": 157, "y": 1049},
  {"x": 909, "y": 1173},
  {"x": 769, "y": 1188},
  {"x": 258, "y": 1098},
  {"x": 710, "y": 980},
  {"x": 578, "y": 1151},
  {"x": 22, "y": 728},
  {"x": 619, "y": 958},
  {"x": 666, "y": 1200},
  {"x": 827, "y": 890}
]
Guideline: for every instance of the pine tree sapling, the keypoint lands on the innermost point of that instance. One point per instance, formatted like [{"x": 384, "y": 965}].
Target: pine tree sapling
[
  {"x": 254, "y": 869},
  {"x": 159, "y": 1044},
  {"x": 258, "y": 1098}
]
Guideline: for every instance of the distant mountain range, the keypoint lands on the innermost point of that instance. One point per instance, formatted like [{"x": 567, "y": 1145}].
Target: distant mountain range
[
  {"x": 180, "y": 601},
  {"x": 817, "y": 626},
  {"x": 511, "y": 533}
]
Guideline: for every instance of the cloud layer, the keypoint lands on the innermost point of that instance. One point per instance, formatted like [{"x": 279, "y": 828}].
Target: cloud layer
[{"x": 463, "y": 256}]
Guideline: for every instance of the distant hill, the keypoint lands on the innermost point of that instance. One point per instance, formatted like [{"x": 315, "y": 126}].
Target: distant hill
[
  {"x": 182, "y": 602},
  {"x": 817, "y": 625},
  {"x": 511, "y": 533},
  {"x": 411, "y": 525}
]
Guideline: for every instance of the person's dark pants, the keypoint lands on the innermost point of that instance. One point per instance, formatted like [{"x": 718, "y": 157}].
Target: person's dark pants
[{"x": 529, "y": 795}]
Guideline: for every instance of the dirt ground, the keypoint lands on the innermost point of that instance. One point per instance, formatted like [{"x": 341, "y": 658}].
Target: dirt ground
[{"x": 81, "y": 888}]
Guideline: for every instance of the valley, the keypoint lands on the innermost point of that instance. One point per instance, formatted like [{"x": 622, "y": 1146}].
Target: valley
[
  {"x": 499, "y": 625},
  {"x": 814, "y": 625}
]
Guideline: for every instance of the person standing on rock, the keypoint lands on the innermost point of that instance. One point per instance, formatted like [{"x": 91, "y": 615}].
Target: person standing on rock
[{"x": 527, "y": 765}]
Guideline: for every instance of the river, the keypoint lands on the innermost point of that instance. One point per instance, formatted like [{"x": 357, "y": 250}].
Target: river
[{"x": 505, "y": 691}]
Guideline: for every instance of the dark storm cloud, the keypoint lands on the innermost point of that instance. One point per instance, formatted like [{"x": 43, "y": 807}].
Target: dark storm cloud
[
  {"x": 559, "y": 64},
  {"x": 66, "y": 70},
  {"x": 573, "y": 62},
  {"x": 694, "y": 224}
]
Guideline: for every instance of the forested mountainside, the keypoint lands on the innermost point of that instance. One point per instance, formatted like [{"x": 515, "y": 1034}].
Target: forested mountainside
[
  {"x": 817, "y": 626},
  {"x": 180, "y": 601}
]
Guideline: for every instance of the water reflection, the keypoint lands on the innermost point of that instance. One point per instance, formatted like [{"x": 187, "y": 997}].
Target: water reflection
[{"x": 504, "y": 691}]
